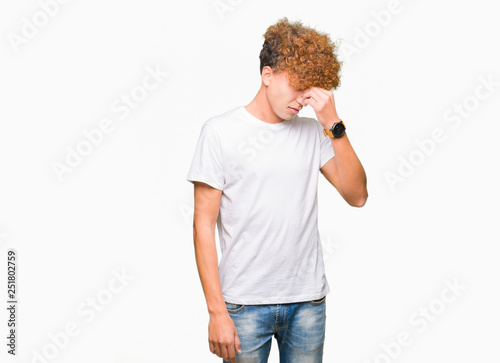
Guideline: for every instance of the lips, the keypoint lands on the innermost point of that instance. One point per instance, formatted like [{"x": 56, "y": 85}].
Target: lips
[{"x": 295, "y": 109}]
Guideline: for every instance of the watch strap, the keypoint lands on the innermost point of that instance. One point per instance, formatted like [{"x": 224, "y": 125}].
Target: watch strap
[{"x": 328, "y": 133}]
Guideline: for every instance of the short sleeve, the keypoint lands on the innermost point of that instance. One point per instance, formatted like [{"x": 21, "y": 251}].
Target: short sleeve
[
  {"x": 207, "y": 166},
  {"x": 326, "y": 147}
]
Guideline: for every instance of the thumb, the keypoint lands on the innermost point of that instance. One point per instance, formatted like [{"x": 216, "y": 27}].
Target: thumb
[{"x": 237, "y": 343}]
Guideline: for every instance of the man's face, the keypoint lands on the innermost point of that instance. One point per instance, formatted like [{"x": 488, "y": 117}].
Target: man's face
[{"x": 284, "y": 99}]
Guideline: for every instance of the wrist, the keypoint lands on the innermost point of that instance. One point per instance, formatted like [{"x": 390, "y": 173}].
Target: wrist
[{"x": 217, "y": 310}]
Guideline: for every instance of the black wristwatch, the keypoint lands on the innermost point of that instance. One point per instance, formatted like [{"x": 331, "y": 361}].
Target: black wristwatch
[{"x": 337, "y": 130}]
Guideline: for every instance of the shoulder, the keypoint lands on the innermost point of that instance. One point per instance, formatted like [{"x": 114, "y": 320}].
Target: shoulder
[{"x": 220, "y": 122}]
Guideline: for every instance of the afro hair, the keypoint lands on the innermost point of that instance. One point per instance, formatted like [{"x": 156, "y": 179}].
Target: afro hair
[{"x": 307, "y": 55}]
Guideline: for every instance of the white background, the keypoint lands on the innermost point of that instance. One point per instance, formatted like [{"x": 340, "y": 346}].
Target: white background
[{"x": 126, "y": 205}]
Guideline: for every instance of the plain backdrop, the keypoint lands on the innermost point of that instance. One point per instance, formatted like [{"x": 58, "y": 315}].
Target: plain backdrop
[{"x": 418, "y": 114}]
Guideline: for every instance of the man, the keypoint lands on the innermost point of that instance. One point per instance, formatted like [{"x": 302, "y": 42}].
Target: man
[{"x": 255, "y": 174}]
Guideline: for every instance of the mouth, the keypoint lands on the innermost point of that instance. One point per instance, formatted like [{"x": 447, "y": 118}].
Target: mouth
[{"x": 295, "y": 110}]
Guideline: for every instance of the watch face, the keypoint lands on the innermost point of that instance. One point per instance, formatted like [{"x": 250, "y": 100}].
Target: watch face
[{"x": 338, "y": 129}]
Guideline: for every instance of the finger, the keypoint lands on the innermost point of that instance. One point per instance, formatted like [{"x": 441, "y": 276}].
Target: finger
[
  {"x": 225, "y": 353},
  {"x": 211, "y": 347},
  {"x": 307, "y": 93},
  {"x": 319, "y": 94},
  {"x": 237, "y": 343},
  {"x": 311, "y": 101},
  {"x": 312, "y": 90},
  {"x": 230, "y": 353},
  {"x": 218, "y": 350},
  {"x": 328, "y": 95},
  {"x": 322, "y": 90}
]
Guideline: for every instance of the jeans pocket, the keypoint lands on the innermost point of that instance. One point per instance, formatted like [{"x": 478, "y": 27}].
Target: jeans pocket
[
  {"x": 234, "y": 308},
  {"x": 318, "y": 301}
]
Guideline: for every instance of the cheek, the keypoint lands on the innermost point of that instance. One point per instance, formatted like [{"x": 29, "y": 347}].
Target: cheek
[{"x": 276, "y": 99}]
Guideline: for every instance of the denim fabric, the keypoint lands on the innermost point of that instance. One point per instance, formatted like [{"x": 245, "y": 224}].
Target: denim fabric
[{"x": 299, "y": 329}]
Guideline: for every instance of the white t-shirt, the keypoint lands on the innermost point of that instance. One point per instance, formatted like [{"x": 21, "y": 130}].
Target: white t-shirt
[{"x": 268, "y": 227}]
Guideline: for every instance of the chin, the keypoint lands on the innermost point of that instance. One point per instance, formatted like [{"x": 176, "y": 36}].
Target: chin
[{"x": 288, "y": 115}]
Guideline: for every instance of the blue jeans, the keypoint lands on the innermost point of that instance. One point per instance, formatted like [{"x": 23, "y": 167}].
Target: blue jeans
[{"x": 299, "y": 329}]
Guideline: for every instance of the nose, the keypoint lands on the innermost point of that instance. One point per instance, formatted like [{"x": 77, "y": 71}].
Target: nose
[{"x": 300, "y": 101}]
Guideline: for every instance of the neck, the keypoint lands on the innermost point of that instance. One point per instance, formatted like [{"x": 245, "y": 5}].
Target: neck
[{"x": 260, "y": 108}]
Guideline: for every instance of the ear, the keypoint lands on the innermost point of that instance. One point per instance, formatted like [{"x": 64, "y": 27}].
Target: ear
[{"x": 267, "y": 73}]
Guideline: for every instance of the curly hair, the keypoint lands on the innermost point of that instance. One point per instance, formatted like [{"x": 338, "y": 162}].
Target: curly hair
[{"x": 307, "y": 55}]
